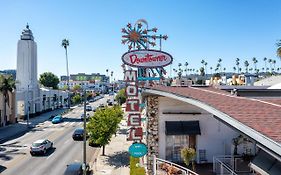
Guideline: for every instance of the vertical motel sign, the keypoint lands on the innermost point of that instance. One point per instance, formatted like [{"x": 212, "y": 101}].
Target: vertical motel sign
[{"x": 132, "y": 106}]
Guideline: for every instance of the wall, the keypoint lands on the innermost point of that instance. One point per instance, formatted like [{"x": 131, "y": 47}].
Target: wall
[{"x": 215, "y": 137}]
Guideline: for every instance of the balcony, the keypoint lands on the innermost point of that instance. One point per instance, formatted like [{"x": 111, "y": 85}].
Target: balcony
[{"x": 231, "y": 165}]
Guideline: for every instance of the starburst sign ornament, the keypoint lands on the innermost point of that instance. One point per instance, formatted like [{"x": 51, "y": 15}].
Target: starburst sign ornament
[{"x": 137, "y": 37}]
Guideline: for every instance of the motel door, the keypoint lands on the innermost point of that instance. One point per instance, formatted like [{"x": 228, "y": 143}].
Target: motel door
[{"x": 180, "y": 134}]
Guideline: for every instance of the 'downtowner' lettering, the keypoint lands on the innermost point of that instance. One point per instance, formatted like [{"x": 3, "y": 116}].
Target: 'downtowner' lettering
[{"x": 147, "y": 58}]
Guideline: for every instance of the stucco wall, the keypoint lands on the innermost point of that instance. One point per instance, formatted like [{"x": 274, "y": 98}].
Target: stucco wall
[{"x": 215, "y": 136}]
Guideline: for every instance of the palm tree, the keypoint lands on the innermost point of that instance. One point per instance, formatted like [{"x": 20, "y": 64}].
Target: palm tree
[
  {"x": 240, "y": 69},
  {"x": 65, "y": 44},
  {"x": 237, "y": 64},
  {"x": 246, "y": 63},
  {"x": 274, "y": 62},
  {"x": 211, "y": 68},
  {"x": 111, "y": 74},
  {"x": 264, "y": 59},
  {"x": 270, "y": 64},
  {"x": 175, "y": 70},
  {"x": 205, "y": 64},
  {"x": 7, "y": 84},
  {"x": 186, "y": 64},
  {"x": 218, "y": 67},
  {"x": 251, "y": 69},
  {"x": 219, "y": 63},
  {"x": 106, "y": 72},
  {"x": 234, "y": 69},
  {"x": 255, "y": 63},
  {"x": 179, "y": 65}
]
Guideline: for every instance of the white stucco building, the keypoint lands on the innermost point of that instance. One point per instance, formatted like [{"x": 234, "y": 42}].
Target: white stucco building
[{"x": 28, "y": 94}]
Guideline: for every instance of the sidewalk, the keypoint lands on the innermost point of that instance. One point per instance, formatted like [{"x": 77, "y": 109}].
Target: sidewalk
[
  {"x": 116, "y": 159},
  {"x": 18, "y": 129}
]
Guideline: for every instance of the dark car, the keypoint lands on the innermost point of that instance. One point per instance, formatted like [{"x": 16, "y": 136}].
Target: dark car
[
  {"x": 78, "y": 134},
  {"x": 76, "y": 169}
]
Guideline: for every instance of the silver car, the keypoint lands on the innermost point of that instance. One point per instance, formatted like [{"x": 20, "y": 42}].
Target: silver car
[{"x": 41, "y": 146}]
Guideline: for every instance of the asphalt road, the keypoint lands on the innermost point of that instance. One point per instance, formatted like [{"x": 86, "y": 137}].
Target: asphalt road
[{"x": 18, "y": 161}]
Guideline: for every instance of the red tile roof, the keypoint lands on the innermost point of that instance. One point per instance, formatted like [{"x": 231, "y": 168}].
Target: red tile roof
[{"x": 262, "y": 115}]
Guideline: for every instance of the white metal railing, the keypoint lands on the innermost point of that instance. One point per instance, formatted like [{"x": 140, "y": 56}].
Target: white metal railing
[
  {"x": 228, "y": 165},
  {"x": 180, "y": 169},
  {"x": 222, "y": 165}
]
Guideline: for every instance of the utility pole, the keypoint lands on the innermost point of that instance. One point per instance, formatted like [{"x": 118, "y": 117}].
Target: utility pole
[{"x": 84, "y": 138}]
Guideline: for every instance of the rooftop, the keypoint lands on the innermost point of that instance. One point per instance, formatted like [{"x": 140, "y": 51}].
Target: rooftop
[{"x": 260, "y": 114}]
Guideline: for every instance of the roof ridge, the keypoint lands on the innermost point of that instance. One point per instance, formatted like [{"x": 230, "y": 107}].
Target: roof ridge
[{"x": 245, "y": 98}]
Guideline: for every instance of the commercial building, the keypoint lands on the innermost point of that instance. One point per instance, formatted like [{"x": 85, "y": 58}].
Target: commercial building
[{"x": 237, "y": 131}]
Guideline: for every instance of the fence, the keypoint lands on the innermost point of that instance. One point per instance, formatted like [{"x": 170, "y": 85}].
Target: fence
[
  {"x": 230, "y": 165},
  {"x": 162, "y": 167}
]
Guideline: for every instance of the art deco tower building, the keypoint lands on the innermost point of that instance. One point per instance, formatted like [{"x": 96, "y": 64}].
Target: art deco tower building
[{"x": 27, "y": 82}]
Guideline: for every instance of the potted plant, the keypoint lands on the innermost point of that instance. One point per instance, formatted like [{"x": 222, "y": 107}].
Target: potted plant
[{"x": 188, "y": 155}]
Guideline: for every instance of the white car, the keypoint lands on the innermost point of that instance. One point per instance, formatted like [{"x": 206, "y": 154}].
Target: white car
[
  {"x": 88, "y": 108},
  {"x": 41, "y": 146},
  {"x": 87, "y": 116}
]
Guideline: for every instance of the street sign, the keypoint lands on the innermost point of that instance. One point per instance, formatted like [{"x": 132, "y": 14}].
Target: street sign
[{"x": 138, "y": 149}]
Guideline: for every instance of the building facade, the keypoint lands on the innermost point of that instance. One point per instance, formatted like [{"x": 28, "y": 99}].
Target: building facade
[
  {"x": 30, "y": 98},
  {"x": 221, "y": 126}
]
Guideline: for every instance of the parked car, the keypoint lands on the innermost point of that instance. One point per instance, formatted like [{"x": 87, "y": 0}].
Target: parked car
[
  {"x": 110, "y": 103},
  {"x": 41, "y": 146},
  {"x": 101, "y": 105},
  {"x": 57, "y": 119},
  {"x": 87, "y": 116},
  {"x": 78, "y": 134},
  {"x": 88, "y": 108},
  {"x": 76, "y": 169}
]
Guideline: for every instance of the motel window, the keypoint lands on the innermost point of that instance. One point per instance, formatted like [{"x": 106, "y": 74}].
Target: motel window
[
  {"x": 174, "y": 144},
  {"x": 180, "y": 134}
]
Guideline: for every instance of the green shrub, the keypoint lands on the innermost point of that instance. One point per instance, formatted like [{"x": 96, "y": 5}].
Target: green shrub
[{"x": 134, "y": 170}]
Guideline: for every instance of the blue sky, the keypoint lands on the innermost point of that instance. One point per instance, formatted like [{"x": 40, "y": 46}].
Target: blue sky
[{"x": 197, "y": 30}]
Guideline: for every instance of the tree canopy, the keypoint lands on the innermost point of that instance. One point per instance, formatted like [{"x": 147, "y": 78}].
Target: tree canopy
[
  {"x": 121, "y": 97},
  {"x": 76, "y": 99},
  {"x": 48, "y": 79},
  {"x": 7, "y": 84},
  {"x": 77, "y": 87},
  {"x": 104, "y": 124}
]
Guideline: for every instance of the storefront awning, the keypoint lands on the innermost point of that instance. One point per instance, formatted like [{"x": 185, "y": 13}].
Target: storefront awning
[
  {"x": 265, "y": 164},
  {"x": 182, "y": 128}
]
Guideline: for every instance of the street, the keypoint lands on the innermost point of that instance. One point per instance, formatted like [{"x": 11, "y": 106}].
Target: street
[{"x": 15, "y": 154}]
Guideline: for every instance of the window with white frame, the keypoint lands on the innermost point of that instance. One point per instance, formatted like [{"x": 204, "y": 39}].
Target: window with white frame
[{"x": 174, "y": 144}]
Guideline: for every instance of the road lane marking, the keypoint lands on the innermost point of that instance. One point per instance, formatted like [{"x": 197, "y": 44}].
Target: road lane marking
[
  {"x": 66, "y": 141},
  {"x": 50, "y": 156}
]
